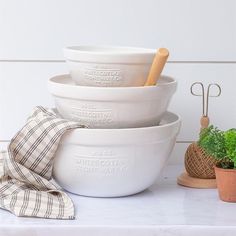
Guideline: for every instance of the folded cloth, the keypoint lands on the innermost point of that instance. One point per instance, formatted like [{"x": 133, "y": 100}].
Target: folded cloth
[{"x": 26, "y": 188}]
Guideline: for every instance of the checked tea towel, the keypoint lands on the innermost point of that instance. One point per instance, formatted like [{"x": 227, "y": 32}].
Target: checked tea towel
[{"x": 25, "y": 184}]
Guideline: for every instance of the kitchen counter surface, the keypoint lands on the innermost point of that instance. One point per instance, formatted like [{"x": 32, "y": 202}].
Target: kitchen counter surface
[{"x": 164, "y": 209}]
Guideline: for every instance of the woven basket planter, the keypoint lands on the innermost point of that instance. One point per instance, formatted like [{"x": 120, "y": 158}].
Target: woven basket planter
[{"x": 198, "y": 163}]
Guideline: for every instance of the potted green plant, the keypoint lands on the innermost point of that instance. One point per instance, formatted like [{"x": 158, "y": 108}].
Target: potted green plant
[{"x": 222, "y": 146}]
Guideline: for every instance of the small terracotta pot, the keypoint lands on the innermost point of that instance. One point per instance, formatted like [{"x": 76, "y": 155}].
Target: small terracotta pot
[{"x": 226, "y": 184}]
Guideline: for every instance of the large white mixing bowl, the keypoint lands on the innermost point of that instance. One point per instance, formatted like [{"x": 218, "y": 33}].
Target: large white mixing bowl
[
  {"x": 109, "y": 66},
  {"x": 114, "y": 162},
  {"x": 117, "y": 107}
]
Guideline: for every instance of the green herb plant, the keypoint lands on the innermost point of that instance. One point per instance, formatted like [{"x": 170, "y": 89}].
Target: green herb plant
[{"x": 219, "y": 144}]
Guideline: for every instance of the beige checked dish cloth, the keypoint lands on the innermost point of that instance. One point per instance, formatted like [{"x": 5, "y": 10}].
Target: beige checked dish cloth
[{"x": 25, "y": 184}]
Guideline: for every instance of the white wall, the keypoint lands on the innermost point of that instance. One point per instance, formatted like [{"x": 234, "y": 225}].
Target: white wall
[{"x": 200, "y": 34}]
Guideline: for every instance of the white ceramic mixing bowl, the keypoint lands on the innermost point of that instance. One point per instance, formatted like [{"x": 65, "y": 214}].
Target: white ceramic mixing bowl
[
  {"x": 107, "y": 107},
  {"x": 114, "y": 162},
  {"x": 106, "y": 66}
]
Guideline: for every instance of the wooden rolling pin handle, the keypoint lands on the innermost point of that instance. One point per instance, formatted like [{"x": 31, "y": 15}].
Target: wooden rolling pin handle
[
  {"x": 157, "y": 66},
  {"x": 204, "y": 122}
]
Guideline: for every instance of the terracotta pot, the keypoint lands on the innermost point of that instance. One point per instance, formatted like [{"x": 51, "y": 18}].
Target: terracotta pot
[{"x": 226, "y": 184}]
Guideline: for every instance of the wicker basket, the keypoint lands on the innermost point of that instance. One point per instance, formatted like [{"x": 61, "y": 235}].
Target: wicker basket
[{"x": 198, "y": 163}]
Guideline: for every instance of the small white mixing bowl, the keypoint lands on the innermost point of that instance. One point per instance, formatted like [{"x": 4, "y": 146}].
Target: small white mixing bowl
[
  {"x": 106, "y": 66},
  {"x": 105, "y": 107},
  {"x": 114, "y": 162}
]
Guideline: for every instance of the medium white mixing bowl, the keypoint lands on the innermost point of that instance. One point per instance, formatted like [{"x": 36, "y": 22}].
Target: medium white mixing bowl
[
  {"x": 105, "y": 66},
  {"x": 114, "y": 162},
  {"x": 106, "y": 107}
]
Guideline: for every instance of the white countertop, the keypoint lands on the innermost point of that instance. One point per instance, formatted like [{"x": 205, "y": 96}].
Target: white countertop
[{"x": 164, "y": 209}]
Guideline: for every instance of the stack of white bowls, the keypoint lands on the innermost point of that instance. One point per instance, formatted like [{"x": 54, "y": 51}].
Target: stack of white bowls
[{"x": 130, "y": 134}]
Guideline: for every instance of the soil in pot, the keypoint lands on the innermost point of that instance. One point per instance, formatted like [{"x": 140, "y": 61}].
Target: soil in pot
[{"x": 226, "y": 184}]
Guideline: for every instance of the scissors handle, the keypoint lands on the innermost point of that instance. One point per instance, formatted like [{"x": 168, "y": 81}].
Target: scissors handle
[
  {"x": 209, "y": 94},
  {"x": 201, "y": 94},
  {"x": 205, "y": 102}
]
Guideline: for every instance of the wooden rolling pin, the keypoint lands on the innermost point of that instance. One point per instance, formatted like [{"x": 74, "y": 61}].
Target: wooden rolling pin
[{"x": 157, "y": 66}]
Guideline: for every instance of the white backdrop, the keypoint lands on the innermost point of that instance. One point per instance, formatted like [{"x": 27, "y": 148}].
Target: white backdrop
[{"x": 200, "y": 34}]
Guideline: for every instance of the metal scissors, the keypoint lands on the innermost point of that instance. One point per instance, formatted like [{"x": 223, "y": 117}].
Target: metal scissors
[{"x": 205, "y": 103}]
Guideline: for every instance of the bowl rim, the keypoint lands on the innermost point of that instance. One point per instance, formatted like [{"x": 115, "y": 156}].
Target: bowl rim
[
  {"x": 176, "y": 117},
  {"x": 125, "y": 136},
  {"x": 109, "y": 54},
  {"x": 109, "y": 50},
  {"x": 55, "y": 81},
  {"x": 109, "y": 94}
]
